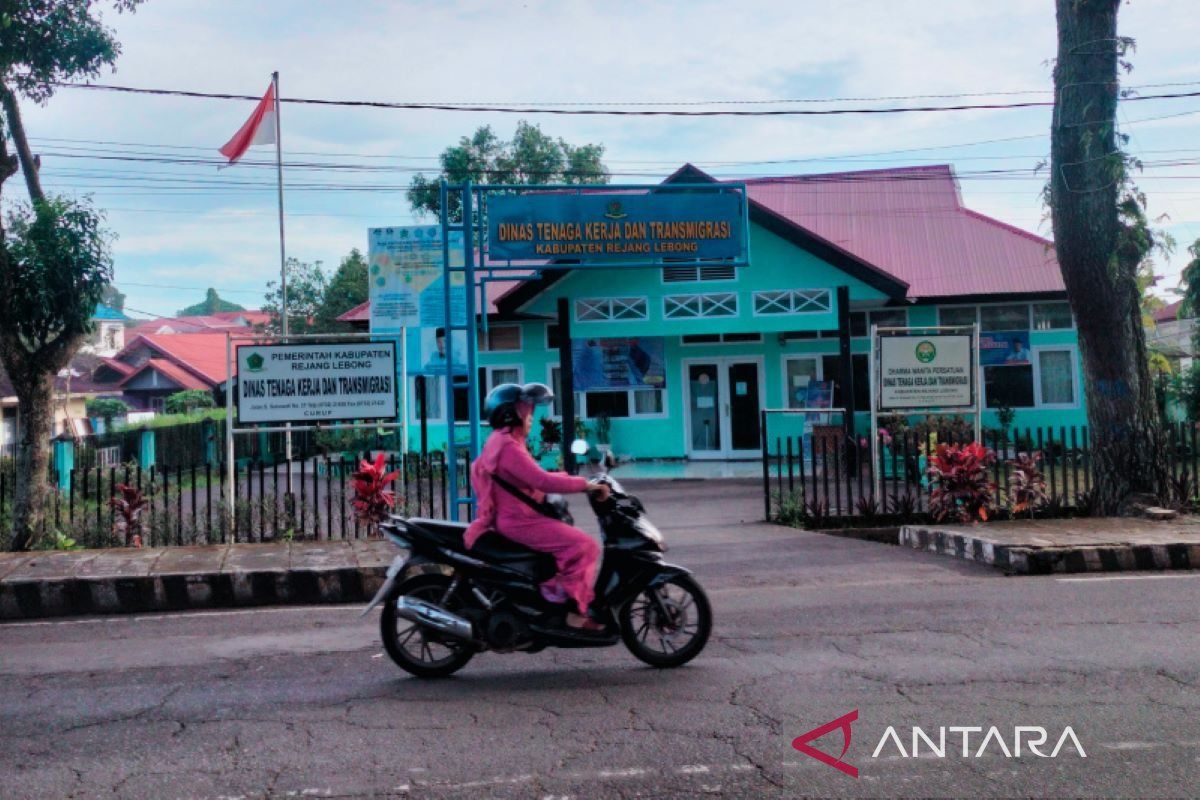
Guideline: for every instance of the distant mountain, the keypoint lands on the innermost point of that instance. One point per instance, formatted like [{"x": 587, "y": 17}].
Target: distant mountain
[{"x": 210, "y": 305}]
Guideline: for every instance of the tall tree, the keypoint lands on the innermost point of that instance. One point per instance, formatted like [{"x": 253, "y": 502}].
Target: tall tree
[
  {"x": 211, "y": 304},
  {"x": 54, "y": 257},
  {"x": 529, "y": 157},
  {"x": 346, "y": 289},
  {"x": 306, "y": 284},
  {"x": 1101, "y": 237}
]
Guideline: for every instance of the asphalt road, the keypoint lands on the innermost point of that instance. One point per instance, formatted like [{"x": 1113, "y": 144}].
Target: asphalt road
[{"x": 302, "y": 702}]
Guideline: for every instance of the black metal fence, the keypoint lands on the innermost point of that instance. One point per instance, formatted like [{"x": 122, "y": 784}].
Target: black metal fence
[
  {"x": 305, "y": 498},
  {"x": 834, "y": 481}
]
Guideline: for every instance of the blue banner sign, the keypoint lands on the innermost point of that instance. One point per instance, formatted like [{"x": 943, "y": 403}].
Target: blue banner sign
[
  {"x": 1004, "y": 347},
  {"x": 625, "y": 363},
  {"x": 617, "y": 227}
]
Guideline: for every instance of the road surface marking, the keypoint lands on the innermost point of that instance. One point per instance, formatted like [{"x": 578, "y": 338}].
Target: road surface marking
[
  {"x": 180, "y": 615},
  {"x": 1129, "y": 578}
]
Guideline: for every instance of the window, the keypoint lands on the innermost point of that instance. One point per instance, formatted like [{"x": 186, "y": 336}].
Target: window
[
  {"x": 1004, "y": 318},
  {"x": 489, "y": 378},
  {"x": 647, "y": 401},
  {"x": 432, "y": 399},
  {"x": 608, "y": 309},
  {"x": 500, "y": 338},
  {"x": 720, "y": 338},
  {"x": 889, "y": 318},
  {"x": 611, "y": 404},
  {"x": 1009, "y": 385},
  {"x": 860, "y": 364},
  {"x": 793, "y": 301},
  {"x": 158, "y": 404},
  {"x": 1056, "y": 377},
  {"x": 693, "y": 306},
  {"x": 551, "y": 337},
  {"x": 963, "y": 315},
  {"x": 1052, "y": 316},
  {"x": 799, "y": 373},
  {"x": 693, "y": 272}
]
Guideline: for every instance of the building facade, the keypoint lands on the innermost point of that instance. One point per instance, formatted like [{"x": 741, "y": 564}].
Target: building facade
[{"x": 897, "y": 245}]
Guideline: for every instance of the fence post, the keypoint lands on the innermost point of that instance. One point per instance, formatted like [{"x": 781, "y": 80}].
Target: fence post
[
  {"x": 146, "y": 457},
  {"x": 64, "y": 461},
  {"x": 208, "y": 431}
]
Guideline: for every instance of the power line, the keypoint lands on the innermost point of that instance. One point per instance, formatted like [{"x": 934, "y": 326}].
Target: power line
[{"x": 504, "y": 109}]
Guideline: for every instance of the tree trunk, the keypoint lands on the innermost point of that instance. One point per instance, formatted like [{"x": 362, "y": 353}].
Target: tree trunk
[
  {"x": 35, "y": 400},
  {"x": 1099, "y": 269}
]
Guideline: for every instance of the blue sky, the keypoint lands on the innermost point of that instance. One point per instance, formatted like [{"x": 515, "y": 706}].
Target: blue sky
[{"x": 192, "y": 226}]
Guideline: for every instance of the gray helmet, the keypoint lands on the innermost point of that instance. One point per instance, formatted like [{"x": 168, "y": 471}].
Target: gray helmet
[{"x": 501, "y": 403}]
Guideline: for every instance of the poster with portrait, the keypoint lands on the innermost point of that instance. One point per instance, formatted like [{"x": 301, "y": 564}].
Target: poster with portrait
[{"x": 1000, "y": 348}]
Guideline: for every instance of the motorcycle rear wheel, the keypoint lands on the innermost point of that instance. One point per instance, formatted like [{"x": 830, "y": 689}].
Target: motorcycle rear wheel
[
  {"x": 673, "y": 638},
  {"x": 415, "y": 648}
]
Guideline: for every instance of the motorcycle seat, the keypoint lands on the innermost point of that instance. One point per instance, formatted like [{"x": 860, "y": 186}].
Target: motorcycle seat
[{"x": 502, "y": 550}]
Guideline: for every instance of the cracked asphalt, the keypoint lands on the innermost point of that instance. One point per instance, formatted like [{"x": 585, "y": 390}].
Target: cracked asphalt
[{"x": 301, "y": 702}]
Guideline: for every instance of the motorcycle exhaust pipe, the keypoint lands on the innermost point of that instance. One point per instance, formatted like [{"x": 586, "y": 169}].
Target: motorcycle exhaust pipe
[{"x": 435, "y": 617}]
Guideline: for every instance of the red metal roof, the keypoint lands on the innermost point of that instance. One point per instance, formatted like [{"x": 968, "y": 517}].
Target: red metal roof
[
  {"x": 911, "y": 223},
  {"x": 200, "y": 353},
  {"x": 172, "y": 372},
  {"x": 1168, "y": 313}
]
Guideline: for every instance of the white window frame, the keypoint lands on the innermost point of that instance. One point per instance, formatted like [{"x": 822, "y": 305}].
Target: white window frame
[
  {"x": 1028, "y": 316},
  {"x": 707, "y": 303},
  {"x": 490, "y": 369},
  {"x": 582, "y": 408},
  {"x": 1033, "y": 317},
  {"x": 1036, "y": 352},
  {"x": 783, "y": 375},
  {"x": 625, "y": 303},
  {"x": 795, "y": 301},
  {"x": 948, "y": 308},
  {"x": 486, "y": 336}
]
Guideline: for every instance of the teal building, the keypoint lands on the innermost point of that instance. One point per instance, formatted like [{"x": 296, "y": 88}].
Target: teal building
[{"x": 897, "y": 246}]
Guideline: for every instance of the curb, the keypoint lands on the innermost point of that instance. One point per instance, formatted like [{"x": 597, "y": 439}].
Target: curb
[
  {"x": 55, "y": 597},
  {"x": 1025, "y": 560}
]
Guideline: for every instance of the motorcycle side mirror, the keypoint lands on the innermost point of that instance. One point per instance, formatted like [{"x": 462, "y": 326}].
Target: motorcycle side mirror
[{"x": 579, "y": 447}]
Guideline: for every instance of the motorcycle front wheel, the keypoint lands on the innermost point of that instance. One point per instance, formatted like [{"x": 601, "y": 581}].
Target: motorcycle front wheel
[
  {"x": 667, "y": 625},
  {"x": 415, "y": 648}
]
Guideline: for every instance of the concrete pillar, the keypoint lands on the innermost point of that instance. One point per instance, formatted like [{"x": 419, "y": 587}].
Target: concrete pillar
[
  {"x": 64, "y": 462},
  {"x": 146, "y": 451}
]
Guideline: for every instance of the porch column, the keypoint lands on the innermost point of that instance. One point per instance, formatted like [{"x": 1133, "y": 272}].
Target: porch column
[{"x": 846, "y": 363}]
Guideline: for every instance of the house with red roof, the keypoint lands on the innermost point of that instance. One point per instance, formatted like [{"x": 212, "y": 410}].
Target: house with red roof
[
  {"x": 153, "y": 366},
  {"x": 898, "y": 244}
]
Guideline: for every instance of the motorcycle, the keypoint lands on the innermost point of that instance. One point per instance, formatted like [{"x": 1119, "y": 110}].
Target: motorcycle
[{"x": 443, "y": 604}]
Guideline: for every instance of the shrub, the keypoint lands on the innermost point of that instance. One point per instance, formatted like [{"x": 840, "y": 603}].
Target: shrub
[
  {"x": 959, "y": 476},
  {"x": 1026, "y": 484},
  {"x": 129, "y": 505},
  {"x": 189, "y": 401},
  {"x": 373, "y": 501}
]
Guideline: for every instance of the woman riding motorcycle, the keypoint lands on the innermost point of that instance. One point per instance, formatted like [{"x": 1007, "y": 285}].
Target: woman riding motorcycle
[{"x": 505, "y": 456}]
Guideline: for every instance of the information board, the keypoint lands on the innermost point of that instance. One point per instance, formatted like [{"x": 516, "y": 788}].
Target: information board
[
  {"x": 620, "y": 363},
  {"x": 407, "y": 285},
  {"x": 617, "y": 227},
  {"x": 316, "y": 382},
  {"x": 926, "y": 372}
]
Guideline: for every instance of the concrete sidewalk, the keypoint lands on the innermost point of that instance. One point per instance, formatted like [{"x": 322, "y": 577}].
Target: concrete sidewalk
[
  {"x": 1041, "y": 547},
  {"x": 55, "y": 583}
]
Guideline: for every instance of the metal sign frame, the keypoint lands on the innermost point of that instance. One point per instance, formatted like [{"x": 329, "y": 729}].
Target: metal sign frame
[
  {"x": 474, "y": 225},
  {"x": 231, "y": 429},
  {"x": 875, "y": 374}
]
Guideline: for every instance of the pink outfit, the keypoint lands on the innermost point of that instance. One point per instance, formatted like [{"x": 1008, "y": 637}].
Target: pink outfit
[{"x": 576, "y": 554}]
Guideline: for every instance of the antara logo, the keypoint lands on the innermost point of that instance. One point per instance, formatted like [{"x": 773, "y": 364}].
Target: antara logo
[{"x": 1025, "y": 740}]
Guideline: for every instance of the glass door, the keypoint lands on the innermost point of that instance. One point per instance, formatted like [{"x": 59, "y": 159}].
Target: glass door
[{"x": 705, "y": 432}]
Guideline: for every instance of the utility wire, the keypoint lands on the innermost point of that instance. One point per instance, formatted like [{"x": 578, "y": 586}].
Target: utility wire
[{"x": 502, "y": 109}]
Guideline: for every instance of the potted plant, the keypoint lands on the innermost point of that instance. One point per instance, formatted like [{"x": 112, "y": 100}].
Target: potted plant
[{"x": 603, "y": 427}]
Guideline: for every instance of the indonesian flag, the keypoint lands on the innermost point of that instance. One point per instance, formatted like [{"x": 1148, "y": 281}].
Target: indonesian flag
[{"x": 259, "y": 129}]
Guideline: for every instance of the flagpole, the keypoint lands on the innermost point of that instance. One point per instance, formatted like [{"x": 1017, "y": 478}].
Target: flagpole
[{"x": 283, "y": 309}]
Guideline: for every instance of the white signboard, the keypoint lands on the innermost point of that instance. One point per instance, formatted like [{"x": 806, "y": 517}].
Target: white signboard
[
  {"x": 926, "y": 372},
  {"x": 407, "y": 287},
  {"x": 316, "y": 382}
]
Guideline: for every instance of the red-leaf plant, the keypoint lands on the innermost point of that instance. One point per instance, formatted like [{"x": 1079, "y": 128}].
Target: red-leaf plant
[
  {"x": 1027, "y": 484},
  {"x": 373, "y": 501},
  {"x": 959, "y": 477},
  {"x": 129, "y": 505}
]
